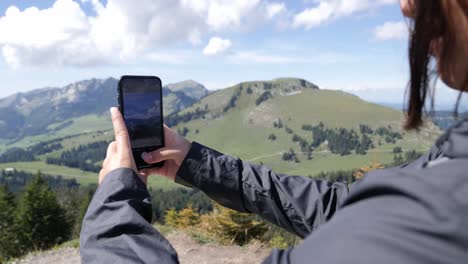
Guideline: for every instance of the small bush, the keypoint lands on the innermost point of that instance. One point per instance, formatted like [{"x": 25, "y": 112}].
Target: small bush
[
  {"x": 232, "y": 227},
  {"x": 278, "y": 242},
  {"x": 272, "y": 137}
]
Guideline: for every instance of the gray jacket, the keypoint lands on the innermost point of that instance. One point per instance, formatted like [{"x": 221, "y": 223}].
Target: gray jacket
[{"x": 417, "y": 213}]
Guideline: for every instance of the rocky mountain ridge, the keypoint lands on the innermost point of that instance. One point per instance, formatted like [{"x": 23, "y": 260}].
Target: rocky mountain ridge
[{"x": 30, "y": 113}]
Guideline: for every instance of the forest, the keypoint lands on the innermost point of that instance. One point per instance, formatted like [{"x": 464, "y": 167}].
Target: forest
[{"x": 83, "y": 157}]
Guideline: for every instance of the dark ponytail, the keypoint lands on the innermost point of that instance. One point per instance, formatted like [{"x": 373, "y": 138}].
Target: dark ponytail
[{"x": 429, "y": 23}]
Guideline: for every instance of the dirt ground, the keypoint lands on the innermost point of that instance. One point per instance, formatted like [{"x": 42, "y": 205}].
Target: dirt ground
[{"x": 189, "y": 252}]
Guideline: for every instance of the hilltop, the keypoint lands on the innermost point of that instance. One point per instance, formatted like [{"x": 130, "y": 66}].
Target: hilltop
[
  {"x": 243, "y": 120},
  {"x": 191, "y": 88}
]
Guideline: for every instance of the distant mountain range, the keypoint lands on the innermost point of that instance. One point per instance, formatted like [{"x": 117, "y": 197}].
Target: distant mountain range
[
  {"x": 289, "y": 124},
  {"x": 32, "y": 113}
]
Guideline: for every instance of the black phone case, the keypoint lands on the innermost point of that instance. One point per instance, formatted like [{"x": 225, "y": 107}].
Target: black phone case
[{"x": 139, "y": 162}]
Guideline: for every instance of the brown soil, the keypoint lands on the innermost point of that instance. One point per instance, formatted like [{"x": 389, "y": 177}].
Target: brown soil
[{"x": 189, "y": 252}]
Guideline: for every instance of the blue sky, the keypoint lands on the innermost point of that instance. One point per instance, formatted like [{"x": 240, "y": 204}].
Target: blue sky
[{"x": 353, "y": 45}]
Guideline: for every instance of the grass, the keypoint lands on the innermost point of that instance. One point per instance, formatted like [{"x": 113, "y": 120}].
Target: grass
[
  {"x": 81, "y": 125},
  {"x": 74, "y": 243},
  {"x": 243, "y": 131},
  {"x": 82, "y": 177}
]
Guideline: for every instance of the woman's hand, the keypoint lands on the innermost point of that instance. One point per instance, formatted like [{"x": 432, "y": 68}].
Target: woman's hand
[
  {"x": 173, "y": 154},
  {"x": 119, "y": 153}
]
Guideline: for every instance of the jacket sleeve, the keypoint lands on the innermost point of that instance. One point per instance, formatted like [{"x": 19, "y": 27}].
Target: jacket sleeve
[
  {"x": 298, "y": 204},
  {"x": 116, "y": 227},
  {"x": 393, "y": 216}
]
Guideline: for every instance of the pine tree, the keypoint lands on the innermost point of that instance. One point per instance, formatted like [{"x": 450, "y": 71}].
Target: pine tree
[
  {"x": 41, "y": 219},
  {"x": 9, "y": 243},
  {"x": 84, "y": 203}
]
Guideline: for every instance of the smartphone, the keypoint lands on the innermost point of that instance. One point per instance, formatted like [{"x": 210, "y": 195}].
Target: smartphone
[{"x": 140, "y": 102}]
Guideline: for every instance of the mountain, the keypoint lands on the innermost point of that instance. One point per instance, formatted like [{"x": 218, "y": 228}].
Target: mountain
[
  {"x": 289, "y": 124},
  {"x": 49, "y": 109},
  {"x": 446, "y": 119},
  {"x": 190, "y": 88},
  {"x": 244, "y": 119}
]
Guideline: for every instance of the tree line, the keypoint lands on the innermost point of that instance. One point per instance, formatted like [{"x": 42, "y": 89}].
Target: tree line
[
  {"x": 17, "y": 154},
  {"x": 17, "y": 180},
  {"x": 83, "y": 157},
  {"x": 177, "y": 118},
  {"x": 340, "y": 141},
  {"x": 178, "y": 199}
]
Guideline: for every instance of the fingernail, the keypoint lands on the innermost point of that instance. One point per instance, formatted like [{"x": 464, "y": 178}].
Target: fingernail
[
  {"x": 113, "y": 110},
  {"x": 146, "y": 156}
]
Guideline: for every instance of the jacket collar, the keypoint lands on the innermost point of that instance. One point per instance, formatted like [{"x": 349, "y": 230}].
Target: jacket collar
[{"x": 454, "y": 143}]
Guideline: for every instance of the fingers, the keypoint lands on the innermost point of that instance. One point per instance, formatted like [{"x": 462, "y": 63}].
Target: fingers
[
  {"x": 120, "y": 130},
  {"x": 112, "y": 148},
  {"x": 152, "y": 171},
  {"x": 161, "y": 155},
  {"x": 167, "y": 129}
]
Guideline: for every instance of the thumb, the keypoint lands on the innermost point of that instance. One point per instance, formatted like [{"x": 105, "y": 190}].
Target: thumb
[
  {"x": 120, "y": 130},
  {"x": 167, "y": 153}
]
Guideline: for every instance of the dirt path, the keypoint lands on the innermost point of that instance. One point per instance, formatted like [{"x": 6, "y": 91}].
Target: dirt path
[{"x": 190, "y": 252}]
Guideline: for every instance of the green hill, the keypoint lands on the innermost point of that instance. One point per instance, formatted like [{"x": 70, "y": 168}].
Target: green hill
[{"x": 238, "y": 122}]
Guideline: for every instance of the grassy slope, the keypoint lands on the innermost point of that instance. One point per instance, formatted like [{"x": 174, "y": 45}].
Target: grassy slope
[
  {"x": 83, "y": 177},
  {"x": 81, "y": 125},
  {"x": 244, "y": 130}
]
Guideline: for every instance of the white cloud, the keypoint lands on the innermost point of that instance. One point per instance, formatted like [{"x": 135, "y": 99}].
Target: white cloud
[
  {"x": 217, "y": 46},
  {"x": 274, "y": 9},
  {"x": 120, "y": 30},
  {"x": 326, "y": 10},
  {"x": 222, "y": 15},
  {"x": 391, "y": 30},
  {"x": 249, "y": 57},
  {"x": 273, "y": 57},
  {"x": 312, "y": 17},
  {"x": 176, "y": 57}
]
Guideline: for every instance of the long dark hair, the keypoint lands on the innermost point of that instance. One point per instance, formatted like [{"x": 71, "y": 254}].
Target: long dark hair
[{"x": 431, "y": 21}]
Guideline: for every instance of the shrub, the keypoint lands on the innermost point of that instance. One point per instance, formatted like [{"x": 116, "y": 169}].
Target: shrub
[
  {"x": 272, "y": 137},
  {"x": 230, "y": 226},
  {"x": 263, "y": 97},
  {"x": 171, "y": 218},
  {"x": 278, "y": 242},
  {"x": 397, "y": 150},
  {"x": 187, "y": 217}
]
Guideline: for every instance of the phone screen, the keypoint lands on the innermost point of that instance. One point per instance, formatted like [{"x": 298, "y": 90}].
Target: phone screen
[{"x": 142, "y": 110}]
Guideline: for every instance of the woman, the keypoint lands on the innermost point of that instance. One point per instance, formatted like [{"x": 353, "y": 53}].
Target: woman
[{"x": 417, "y": 213}]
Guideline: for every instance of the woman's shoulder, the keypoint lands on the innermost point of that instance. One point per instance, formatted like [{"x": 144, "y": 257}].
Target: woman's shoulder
[{"x": 441, "y": 181}]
